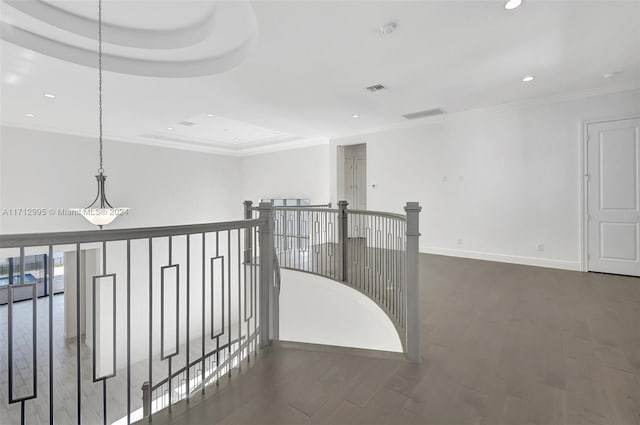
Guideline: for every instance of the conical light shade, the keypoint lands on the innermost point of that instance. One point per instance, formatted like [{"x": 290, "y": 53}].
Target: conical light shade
[
  {"x": 101, "y": 216},
  {"x": 100, "y": 212}
]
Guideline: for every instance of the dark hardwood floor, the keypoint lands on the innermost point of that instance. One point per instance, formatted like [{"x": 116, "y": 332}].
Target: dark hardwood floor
[{"x": 501, "y": 344}]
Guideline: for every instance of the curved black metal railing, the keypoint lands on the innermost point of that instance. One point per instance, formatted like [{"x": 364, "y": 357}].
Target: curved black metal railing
[
  {"x": 192, "y": 297},
  {"x": 177, "y": 308},
  {"x": 373, "y": 252}
]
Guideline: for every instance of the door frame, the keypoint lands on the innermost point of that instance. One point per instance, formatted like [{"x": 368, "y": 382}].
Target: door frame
[
  {"x": 340, "y": 175},
  {"x": 584, "y": 195}
]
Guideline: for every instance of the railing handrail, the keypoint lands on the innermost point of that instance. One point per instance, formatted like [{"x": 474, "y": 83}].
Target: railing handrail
[
  {"x": 328, "y": 205},
  {"x": 322, "y": 208},
  {"x": 314, "y": 207},
  {"x": 377, "y": 214},
  {"x": 93, "y": 236},
  {"x": 305, "y": 209}
]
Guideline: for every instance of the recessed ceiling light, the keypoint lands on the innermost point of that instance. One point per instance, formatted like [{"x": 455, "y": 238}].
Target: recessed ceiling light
[
  {"x": 278, "y": 131},
  {"x": 210, "y": 115},
  {"x": 236, "y": 140},
  {"x": 355, "y": 116},
  {"x": 169, "y": 128},
  {"x": 29, "y": 115},
  {"x": 528, "y": 78},
  {"x": 512, "y": 4},
  {"x": 49, "y": 95}
]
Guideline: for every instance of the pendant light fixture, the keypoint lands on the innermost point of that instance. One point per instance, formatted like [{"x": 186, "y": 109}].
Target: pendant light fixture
[{"x": 100, "y": 212}]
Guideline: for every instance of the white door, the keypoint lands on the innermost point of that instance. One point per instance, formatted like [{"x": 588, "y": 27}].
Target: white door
[
  {"x": 613, "y": 169},
  {"x": 355, "y": 176},
  {"x": 348, "y": 181}
]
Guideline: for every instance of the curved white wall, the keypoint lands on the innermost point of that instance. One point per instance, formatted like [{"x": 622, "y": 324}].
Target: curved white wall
[{"x": 320, "y": 311}]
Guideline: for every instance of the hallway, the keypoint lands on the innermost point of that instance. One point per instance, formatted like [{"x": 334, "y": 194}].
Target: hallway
[{"x": 501, "y": 343}]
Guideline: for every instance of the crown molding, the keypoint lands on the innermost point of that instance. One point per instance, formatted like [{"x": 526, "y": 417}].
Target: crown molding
[{"x": 187, "y": 146}]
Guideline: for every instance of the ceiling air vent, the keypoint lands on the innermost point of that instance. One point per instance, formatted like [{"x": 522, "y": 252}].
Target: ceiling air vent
[
  {"x": 424, "y": 114},
  {"x": 187, "y": 123},
  {"x": 376, "y": 87}
]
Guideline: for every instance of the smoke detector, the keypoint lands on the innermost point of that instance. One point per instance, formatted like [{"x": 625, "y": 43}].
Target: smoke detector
[{"x": 387, "y": 29}]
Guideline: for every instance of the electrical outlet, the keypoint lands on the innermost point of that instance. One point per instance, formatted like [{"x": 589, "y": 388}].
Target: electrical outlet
[
  {"x": 540, "y": 247},
  {"x": 459, "y": 241},
  {"x": 444, "y": 178}
]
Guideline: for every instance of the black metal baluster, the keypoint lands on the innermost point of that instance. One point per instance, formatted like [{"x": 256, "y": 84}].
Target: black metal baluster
[
  {"x": 104, "y": 381},
  {"x": 188, "y": 389},
  {"x": 128, "y": 331},
  {"x": 222, "y": 329},
  {"x": 150, "y": 328},
  {"x": 50, "y": 277},
  {"x": 239, "y": 299},
  {"x": 255, "y": 285},
  {"x": 203, "y": 308},
  {"x": 229, "y": 300},
  {"x": 78, "y": 357},
  {"x": 178, "y": 340}
]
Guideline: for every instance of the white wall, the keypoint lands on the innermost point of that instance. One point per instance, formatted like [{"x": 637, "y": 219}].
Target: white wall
[
  {"x": 321, "y": 311},
  {"x": 161, "y": 186},
  {"x": 295, "y": 173},
  {"x": 513, "y": 178}
]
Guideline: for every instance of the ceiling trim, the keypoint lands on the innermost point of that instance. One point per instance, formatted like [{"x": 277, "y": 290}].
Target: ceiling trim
[
  {"x": 116, "y": 34},
  {"x": 177, "y": 53},
  {"x": 187, "y": 146},
  {"x": 234, "y": 147},
  {"x": 127, "y": 65},
  {"x": 306, "y": 142}
]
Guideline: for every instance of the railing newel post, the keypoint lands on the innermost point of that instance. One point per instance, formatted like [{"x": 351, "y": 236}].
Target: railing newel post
[
  {"x": 413, "y": 281},
  {"x": 267, "y": 290},
  {"x": 145, "y": 398},
  {"x": 248, "y": 215},
  {"x": 343, "y": 223}
]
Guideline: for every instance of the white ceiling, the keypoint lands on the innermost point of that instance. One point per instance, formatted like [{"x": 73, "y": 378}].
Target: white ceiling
[{"x": 304, "y": 74}]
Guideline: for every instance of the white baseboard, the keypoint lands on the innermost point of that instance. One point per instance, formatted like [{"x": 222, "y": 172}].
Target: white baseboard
[{"x": 502, "y": 258}]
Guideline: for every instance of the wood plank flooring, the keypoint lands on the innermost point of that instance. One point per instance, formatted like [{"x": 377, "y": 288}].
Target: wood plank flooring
[{"x": 501, "y": 344}]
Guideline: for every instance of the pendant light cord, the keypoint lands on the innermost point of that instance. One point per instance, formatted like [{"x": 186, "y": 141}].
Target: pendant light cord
[{"x": 100, "y": 170}]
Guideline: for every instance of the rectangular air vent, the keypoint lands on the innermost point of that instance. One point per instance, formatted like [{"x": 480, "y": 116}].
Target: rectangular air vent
[
  {"x": 187, "y": 123},
  {"x": 376, "y": 87},
  {"x": 424, "y": 114}
]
